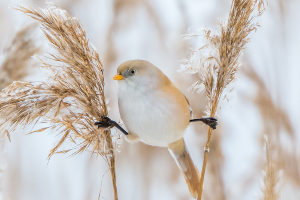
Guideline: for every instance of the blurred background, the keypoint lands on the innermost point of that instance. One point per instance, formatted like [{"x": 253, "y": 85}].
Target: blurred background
[{"x": 263, "y": 107}]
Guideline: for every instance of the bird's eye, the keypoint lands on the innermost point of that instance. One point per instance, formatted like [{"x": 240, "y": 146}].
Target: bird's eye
[{"x": 132, "y": 71}]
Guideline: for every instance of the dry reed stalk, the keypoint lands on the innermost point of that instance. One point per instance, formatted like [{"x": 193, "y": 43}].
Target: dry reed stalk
[
  {"x": 275, "y": 117},
  {"x": 74, "y": 97},
  {"x": 277, "y": 125},
  {"x": 215, "y": 169},
  {"x": 15, "y": 67},
  {"x": 283, "y": 6},
  {"x": 118, "y": 7},
  {"x": 271, "y": 173},
  {"x": 218, "y": 69}
]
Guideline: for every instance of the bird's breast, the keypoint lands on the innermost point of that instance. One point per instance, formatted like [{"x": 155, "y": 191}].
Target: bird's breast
[{"x": 158, "y": 117}]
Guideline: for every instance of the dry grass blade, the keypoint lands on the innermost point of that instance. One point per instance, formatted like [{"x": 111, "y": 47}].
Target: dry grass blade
[
  {"x": 219, "y": 68},
  {"x": 74, "y": 97}
]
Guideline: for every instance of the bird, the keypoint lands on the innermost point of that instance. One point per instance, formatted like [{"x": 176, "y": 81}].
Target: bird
[{"x": 156, "y": 113}]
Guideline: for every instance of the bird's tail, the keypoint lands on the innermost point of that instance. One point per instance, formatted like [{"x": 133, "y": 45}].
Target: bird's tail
[{"x": 186, "y": 165}]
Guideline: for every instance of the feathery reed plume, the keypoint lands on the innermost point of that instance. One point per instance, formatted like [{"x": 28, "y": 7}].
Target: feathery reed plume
[
  {"x": 17, "y": 58},
  {"x": 271, "y": 174},
  {"x": 15, "y": 67},
  {"x": 74, "y": 97},
  {"x": 277, "y": 125},
  {"x": 275, "y": 117},
  {"x": 218, "y": 69}
]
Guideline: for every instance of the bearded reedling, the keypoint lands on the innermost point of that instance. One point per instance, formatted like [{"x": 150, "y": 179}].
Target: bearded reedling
[{"x": 156, "y": 113}]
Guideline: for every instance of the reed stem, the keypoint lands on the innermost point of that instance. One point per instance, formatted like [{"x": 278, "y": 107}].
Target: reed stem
[{"x": 207, "y": 145}]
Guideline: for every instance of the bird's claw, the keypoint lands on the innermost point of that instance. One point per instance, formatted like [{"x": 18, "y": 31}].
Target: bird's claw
[
  {"x": 210, "y": 121},
  {"x": 105, "y": 122}
]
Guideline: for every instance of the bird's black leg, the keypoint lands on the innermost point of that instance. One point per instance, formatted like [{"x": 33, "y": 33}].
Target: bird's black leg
[
  {"x": 106, "y": 122},
  {"x": 210, "y": 121}
]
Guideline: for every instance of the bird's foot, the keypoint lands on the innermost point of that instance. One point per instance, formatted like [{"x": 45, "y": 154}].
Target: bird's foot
[
  {"x": 210, "y": 121},
  {"x": 105, "y": 122}
]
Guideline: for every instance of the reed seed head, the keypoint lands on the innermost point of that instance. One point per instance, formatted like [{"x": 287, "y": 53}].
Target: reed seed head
[{"x": 73, "y": 99}]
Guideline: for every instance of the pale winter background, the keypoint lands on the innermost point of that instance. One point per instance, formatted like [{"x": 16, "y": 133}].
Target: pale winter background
[{"x": 264, "y": 103}]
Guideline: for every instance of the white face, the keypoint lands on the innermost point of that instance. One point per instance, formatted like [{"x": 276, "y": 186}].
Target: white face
[
  {"x": 137, "y": 78},
  {"x": 140, "y": 75},
  {"x": 130, "y": 79}
]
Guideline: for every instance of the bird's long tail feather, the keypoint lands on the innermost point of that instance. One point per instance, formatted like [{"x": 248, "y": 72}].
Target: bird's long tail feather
[{"x": 186, "y": 165}]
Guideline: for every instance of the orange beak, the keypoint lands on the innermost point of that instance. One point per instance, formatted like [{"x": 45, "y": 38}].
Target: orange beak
[{"x": 118, "y": 77}]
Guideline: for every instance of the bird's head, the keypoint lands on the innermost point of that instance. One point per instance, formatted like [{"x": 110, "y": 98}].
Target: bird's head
[{"x": 140, "y": 73}]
